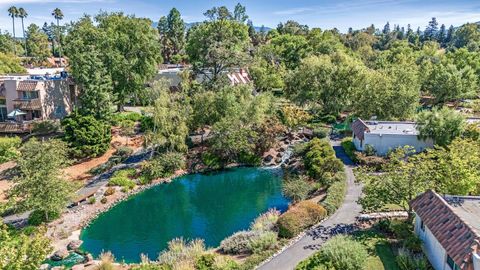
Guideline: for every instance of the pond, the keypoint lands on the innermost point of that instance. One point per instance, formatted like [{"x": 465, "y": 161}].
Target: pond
[{"x": 206, "y": 206}]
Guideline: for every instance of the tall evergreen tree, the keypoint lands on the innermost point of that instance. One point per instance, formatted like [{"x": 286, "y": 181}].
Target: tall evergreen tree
[
  {"x": 431, "y": 30},
  {"x": 172, "y": 35},
  {"x": 37, "y": 43},
  {"x": 386, "y": 29},
  {"x": 450, "y": 32},
  {"x": 442, "y": 34},
  {"x": 240, "y": 13}
]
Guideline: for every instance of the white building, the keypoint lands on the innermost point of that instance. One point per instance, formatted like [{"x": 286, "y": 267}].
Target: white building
[
  {"x": 384, "y": 136},
  {"x": 449, "y": 228}
]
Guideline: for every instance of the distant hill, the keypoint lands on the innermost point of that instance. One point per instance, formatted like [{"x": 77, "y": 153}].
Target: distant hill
[{"x": 192, "y": 24}]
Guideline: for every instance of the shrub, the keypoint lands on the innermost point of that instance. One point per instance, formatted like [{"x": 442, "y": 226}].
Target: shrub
[
  {"x": 87, "y": 136},
  {"x": 401, "y": 229},
  {"x": 320, "y": 160},
  {"x": 407, "y": 261},
  {"x": 299, "y": 149},
  {"x": 162, "y": 166},
  {"x": 211, "y": 261},
  {"x": 92, "y": 200},
  {"x": 151, "y": 266},
  {"x": 266, "y": 221},
  {"x": 146, "y": 123},
  {"x": 106, "y": 262},
  {"x": 109, "y": 191},
  {"x": 296, "y": 188},
  {"x": 123, "y": 151},
  {"x": 300, "y": 217},
  {"x": 239, "y": 242},
  {"x": 38, "y": 217},
  {"x": 118, "y": 118},
  {"x": 335, "y": 195},
  {"x": 181, "y": 253},
  {"x": 374, "y": 162},
  {"x": 45, "y": 127},
  {"x": 413, "y": 243},
  {"x": 9, "y": 148},
  {"x": 264, "y": 241},
  {"x": 122, "y": 179},
  {"x": 211, "y": 161},
  {"x": 104, "y": 200},
  {"x": 340, "y": 252},
  {"x": 320, "y": 132},
  {"x": 369, "y": 150},
  {"x": 349, "y": 149}
]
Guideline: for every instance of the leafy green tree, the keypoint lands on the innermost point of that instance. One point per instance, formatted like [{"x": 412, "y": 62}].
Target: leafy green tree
[
  {"x": 329, "y": 81},
  {"x": 466, "y": 35},
  {"x": 289, "y": 49},
  {"x": 170, "y": 121},
  {"x": 240, "y": 13},
  {"x": 431, "y": 31},
  {"x": 292, "y": 28},
  {"x": 443, "y": 125},
  {"x": 172, "y": 35},
  {"x": 126, "y": 45},
  {"x": 215, "y": 47},
  {"x": 402, "y": 179},
  {"x": 7, "y": 43},
  {"x": 86, "y": 135},
  {"x": 267, "y": 75},
  {"x": 39, "y": 185},
  {"x": 10, "y": 63},
  {"x": 37, "y": 45},
  {"x": 21, "y": 251}
]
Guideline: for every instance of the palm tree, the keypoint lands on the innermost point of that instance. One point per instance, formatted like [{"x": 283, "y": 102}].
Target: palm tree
[
  {"x": 58, "y": 15},
  {"x": 13, "y": 12},
  {"x": 22, "y": 13}
]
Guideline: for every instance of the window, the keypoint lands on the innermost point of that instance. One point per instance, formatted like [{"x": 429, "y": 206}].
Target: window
[
  {"x": 422, "y": 225},
  {"x": 452, "y": 264},
  {"x": 30, "y": 94}
]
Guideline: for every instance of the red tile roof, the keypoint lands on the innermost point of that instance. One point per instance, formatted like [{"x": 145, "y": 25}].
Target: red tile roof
[
  {"x": 456, "y": 235},
  {"x": 359, "y": 127},
  {"x": 27, "y": 86}
]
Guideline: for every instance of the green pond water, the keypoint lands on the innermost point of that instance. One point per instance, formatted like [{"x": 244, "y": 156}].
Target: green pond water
[{"x": 206, "y": 206}]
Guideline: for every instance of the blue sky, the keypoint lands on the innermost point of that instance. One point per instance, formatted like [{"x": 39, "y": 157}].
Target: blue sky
[{"x": 316, "y": 13}]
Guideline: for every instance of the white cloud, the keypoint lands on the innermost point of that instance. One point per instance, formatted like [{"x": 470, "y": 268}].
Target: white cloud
[{"x": 293, "y": 11}]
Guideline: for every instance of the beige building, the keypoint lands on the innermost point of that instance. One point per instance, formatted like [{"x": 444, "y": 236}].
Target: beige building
[{"x": 35, "y": 98}]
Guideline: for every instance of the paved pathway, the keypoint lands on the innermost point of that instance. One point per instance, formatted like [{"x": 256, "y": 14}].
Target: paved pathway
[{"x": 340, "y": 222}]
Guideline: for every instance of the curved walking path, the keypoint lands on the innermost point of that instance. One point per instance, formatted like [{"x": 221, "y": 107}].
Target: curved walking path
[{"x": 341, "y": 221}]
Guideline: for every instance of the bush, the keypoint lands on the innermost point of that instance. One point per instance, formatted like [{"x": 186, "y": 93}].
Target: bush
[
  {"x": 9, "y": 148},
  {"x": 122, "y": 179},
  {"x": 349, "y": 149},
  {"x": 266, "y": 221},
  {"x": 110, "y": 191},
  {"x": 401, "y": 229},
  {"x": 38, "y": 217},
  {"x": 374, "y": 162},
  {"x": 335, "y": 195},
  {"x": 118, "y": 118},
  {"x": 413, "y": 243},
  {"x": 369, "y": 150},
  {"x": 339, "y": 253},
  {"x": 211, "y": 261},
  {"x": 123, "y": 151},
  {"x": 211, "y": 161},
  {"x": 320, "y": 160},
  {"x": 164, "y": 165},
  {"x": 92, "y": 200},
  {"x": 321, "y": 132},
  {"x": 45, "y": 127},
  {"x": 300, "y": 217},
  {"x": 239, "y": 242},
  {"x": 151, "y": 266},
  {"x": 264, "y": 241},
  {"x": 296, "y": 188},
  {"x": 407, "y": 261},
  {"x": 104, "y": 200},
  {"x": 87, "y": 136},
  {"x": 146, "y": 123},
  {"x": 181, "y": 253}
]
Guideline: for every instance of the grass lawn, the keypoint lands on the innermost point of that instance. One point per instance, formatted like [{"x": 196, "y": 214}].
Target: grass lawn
[{"x": 380, "y": 250}]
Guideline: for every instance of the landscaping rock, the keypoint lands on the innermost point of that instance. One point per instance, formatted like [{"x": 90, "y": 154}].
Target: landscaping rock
[
  {"x": 268, "y": 158},
  {"x": 74, "y": 245},
  {"x": 44, "y": 266},
  {"x": 279, "y": 154},
  {"x": 278, "y": 160},
  {"x": 60, "y": 255}
]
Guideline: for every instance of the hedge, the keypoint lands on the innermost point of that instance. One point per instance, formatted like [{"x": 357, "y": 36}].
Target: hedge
[
  {"x": 300, "y": 217},
  {"x": 9, "y": 148},
  {"x": 349, "y": 149},
  {"x": 335, "y": 194}
]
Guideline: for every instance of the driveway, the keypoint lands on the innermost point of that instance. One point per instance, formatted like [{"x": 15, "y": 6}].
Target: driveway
[{"x": 340, "y": 222}]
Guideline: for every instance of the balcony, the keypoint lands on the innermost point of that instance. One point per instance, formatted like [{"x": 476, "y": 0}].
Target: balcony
[
  {"x": 27, "y": 104},
  {"x": 12, "y": 127}
]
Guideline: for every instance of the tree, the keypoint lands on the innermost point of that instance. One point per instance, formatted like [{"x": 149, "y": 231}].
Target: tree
[
  {"x": 289, "y": 49},
  {"x": 450, "y": 34},
  {"x": 292, "y": 28},
  {"x": 328, "y": 81},
  {"x": 39, "y": 185},
  {"x": 431, "y": 30},
  {"x": 442, "y": 35},
  {"x": 22, "y": 251},
  {"x": 170, "y": 121},
  {"x": 49, "y": 30},
  {"x": 466, "y": 34},
  {"x": 58, "y": 15},
  {"x": 127, "y": 46},
  {"x": 401, "y": 180},
  {"x": 172, "y": 35},
  {"x": 13, "y": 12},
  {"x": 240, "y": 13},
  {"x": 22, "y": 14},
  {"x": 442, "y": 126},
  {"x": 386, "y": 29},
  {"x": 86, "y": 136},
  {"x": 10, "y": 63},
  {"x": 37, "y": 44},
  {"x": 216, "y": 47}
]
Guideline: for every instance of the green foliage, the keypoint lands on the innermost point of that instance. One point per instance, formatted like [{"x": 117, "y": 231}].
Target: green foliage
[
  {"x": 264, "y": 241},
  {"x": 123, "y": 179},
  {"x": 442, "y": 125},
  {"x": 10, "y": 64},
  {"x": 239, "y": 242},
  {"x": 293, "y": 116},
  {"x": 118, "y": 118},
  {"x": 406, "y": 261},
  {"x": 9, "y": 148},
  {"x": 472, "y": 132},
  {"x": 172, "y": 35},
  {"x": 335, "y": 194},
  {"x": 296, "y": 188},
  {"x": 299, "y": 217},
  {"x": 21, "y": 251},
  {"x": 38, "y": 217},
  {"x": 266, "y": 221},
  {"x": 37, "y": 44},
  {"x": 349, "y": 148},
  {"x": 338, "y": 253},
  {"x": 123, "y": 151},
  {"x": 87, "y": 136},
  {"x": 182, "y": 253},
  {"x": 46, "y": 127},
  {"x": 39, "y": 184},
  {"x": 209, "y": 261},
  {"x": 163, "y": 166},
  {"x": 321, "y": 162}
]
